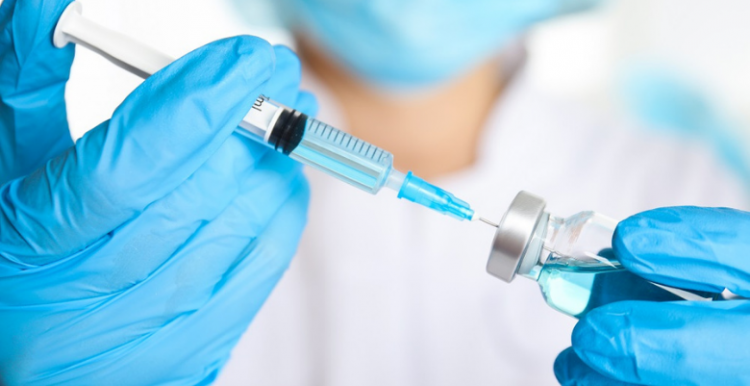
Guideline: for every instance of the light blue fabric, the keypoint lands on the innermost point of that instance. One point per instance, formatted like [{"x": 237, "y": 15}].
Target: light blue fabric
[
  {"x": 665, "y": 100},
  {"x": 139, "y": 255},
  {"x": 671, "y": 343},
  {"x": 416, "y": 42}
]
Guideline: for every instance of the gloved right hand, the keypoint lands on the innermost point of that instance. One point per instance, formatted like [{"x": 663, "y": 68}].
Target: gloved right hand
[
  {"x": 140, "y": 254},
  {"x": 678, "y": 342}
]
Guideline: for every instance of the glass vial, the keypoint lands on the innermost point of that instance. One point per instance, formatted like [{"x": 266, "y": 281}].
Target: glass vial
[{"x": 571, "y": 259}]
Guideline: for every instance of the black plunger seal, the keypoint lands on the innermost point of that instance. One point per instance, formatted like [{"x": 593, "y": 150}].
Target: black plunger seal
[{"x": 288, "y": 131}]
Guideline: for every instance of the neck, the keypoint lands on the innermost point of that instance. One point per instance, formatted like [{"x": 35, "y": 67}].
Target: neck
[{"x": 431, "y": 134}]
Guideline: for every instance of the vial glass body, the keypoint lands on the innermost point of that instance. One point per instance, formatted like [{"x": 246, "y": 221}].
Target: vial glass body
[{"x": 572, "y": 260}]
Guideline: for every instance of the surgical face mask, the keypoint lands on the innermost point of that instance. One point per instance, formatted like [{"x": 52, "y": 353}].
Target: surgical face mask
[{"x": 407, "y": 43}]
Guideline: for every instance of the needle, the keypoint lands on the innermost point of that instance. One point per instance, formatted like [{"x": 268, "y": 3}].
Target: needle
[{"x": 488, "y": 222}]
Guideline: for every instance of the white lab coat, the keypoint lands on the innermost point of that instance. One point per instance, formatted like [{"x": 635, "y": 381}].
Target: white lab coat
[{"x": 384, "y": 292}]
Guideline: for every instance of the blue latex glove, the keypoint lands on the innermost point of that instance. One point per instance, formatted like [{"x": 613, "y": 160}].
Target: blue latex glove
[
  {"x": 139, "y": 255},
  {"x": 671, "y": 343},
  {"x": 32, "y": 84}
]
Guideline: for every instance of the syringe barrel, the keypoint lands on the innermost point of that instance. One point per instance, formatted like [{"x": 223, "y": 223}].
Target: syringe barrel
[
  {"x": 343, "y": 156},
  {"x": 318, "y": 145}
]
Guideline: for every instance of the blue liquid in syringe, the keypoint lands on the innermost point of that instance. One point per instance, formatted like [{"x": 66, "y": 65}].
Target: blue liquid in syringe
[{"x": 370, "y": 168}]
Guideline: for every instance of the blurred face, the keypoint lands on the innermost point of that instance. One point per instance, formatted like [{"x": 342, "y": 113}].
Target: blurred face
[{"x": 417, "y": 42}]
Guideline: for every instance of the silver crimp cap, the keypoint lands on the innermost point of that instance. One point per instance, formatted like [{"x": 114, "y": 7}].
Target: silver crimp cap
[{"x": 513, "y": 235}]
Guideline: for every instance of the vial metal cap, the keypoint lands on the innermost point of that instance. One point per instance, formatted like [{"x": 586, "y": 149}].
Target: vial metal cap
[{"x": 513, "y": 235}]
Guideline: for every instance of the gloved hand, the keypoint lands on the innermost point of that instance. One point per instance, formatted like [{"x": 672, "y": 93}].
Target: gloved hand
[
  {"x": 671, "y": 343},
  {"x": 140, "y": 254}
]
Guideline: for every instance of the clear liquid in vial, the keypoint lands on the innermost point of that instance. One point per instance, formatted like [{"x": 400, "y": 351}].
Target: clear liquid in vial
[{"x": 576, "y": 287}]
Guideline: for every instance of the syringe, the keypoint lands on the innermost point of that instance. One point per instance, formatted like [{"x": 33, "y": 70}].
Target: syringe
[{"x": 286, "y": 130}]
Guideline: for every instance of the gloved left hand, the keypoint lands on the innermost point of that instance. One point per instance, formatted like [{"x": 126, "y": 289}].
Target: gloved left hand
[
  {"x": 671, "y": 343},
  {"x": 139, "y": 254}
]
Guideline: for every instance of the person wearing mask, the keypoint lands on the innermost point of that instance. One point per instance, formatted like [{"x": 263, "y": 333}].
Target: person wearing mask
[
  {"x": 383, "y": 292},
  {"x": 139, "y": 254}
]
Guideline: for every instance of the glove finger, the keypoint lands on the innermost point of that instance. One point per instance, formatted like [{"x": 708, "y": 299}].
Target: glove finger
[
  {"x": 189, "y": 278},
  {"x": 202, "y": 262},
  {"x": 33, "y": 73},
  {"x": 135, "y": 250},
  {"x": 703, "y": 249},
  {"x": 307, "y": 103},
  {"x": 681, "y": 343},
  {"x": 167, "y": 128},
  {"x": 284, "y": 86},
  {"x": 218, "y": 324},
  {"x": 571, "y": 371}
]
